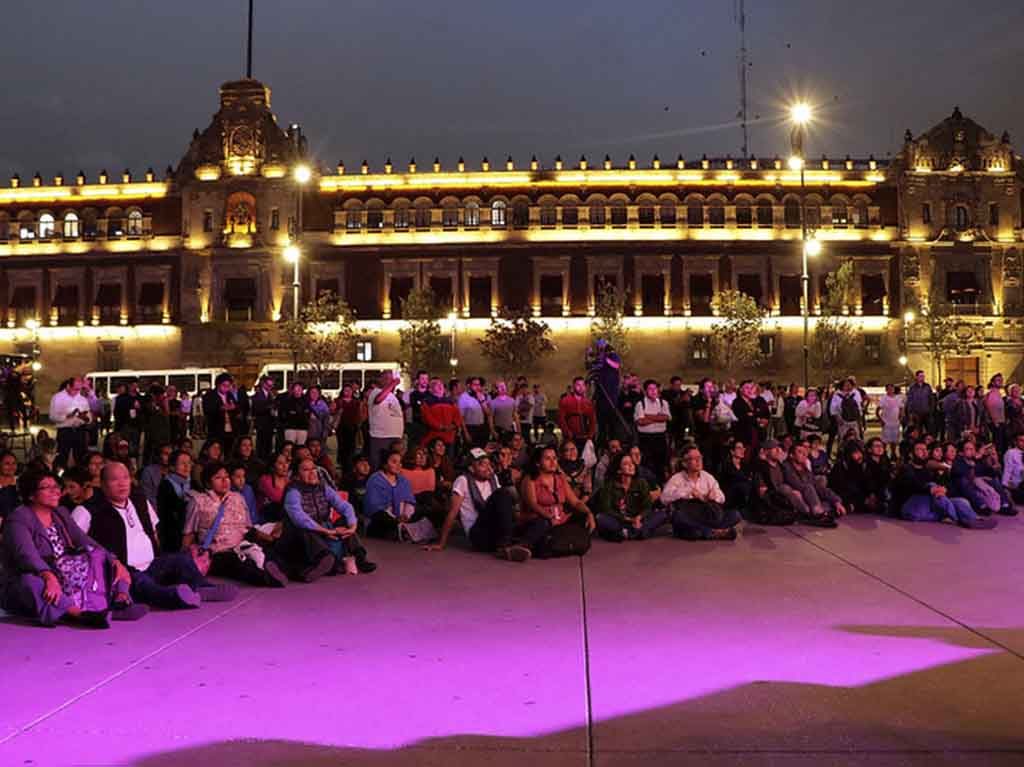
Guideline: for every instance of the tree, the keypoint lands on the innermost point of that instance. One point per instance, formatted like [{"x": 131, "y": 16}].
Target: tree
[
  {"x": 938, "y": 332},
  {"x": 421, "y": 342},
  {"x": 834, "y": 335},
  {"x": 736, "y": 335},
  {"x": 607, "y": 323},
  {"x": 515, "y": 342},
  {"x": 322, "y": 334}
]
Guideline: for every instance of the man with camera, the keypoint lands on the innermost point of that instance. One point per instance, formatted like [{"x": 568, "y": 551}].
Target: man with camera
[{"x": 69, "y": 411}]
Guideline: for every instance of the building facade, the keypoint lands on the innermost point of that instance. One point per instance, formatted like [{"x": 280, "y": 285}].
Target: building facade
[{"x": 122, "y": 272}]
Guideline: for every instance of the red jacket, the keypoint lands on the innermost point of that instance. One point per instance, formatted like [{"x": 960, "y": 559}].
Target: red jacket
[
  {"x": 439, "y": 417},
  {"x": 576, "y": 417}
]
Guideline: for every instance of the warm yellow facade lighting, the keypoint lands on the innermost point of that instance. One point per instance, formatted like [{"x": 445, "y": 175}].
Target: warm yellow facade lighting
[{"x": 80, "y": 193}]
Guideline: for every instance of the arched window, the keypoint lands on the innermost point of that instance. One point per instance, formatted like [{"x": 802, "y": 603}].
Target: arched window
[
  {"x": 960, "y": 218},
  {"x": 548, "y": 214},
  {"x": 694, "y": 213},
  {"x": 520, "y": 215},
  {"x": 71, "y": 226},
  {"x": 860, "y": 215},
  {"x": 744, "y": 214},
  {"x": 402, "y": 217},
  {"x": 716, "y": 214},
  {"x": 422, "y": 216},
  {"x": 765, "y": 214},
  {"x": 135, "y": 223},
  {"x": 26, "y": 226},
  {"x": 813, "y": 213},
  {"x": 353, "y": 219},
  {"x": 840, "y": 214},
  {"x": 472, "y": 214},
  {"x": 46, "y": 226},
  {"x": 597, "y": 213},
  {"x": 570, "y": 214},
  {"x": 499, "y": 211},
  {"x": 450, "y": 216},
  {"x": 374, "y": 217},
  {"x": 5, "y": 227},
  {"x": 791, "y": 214},
  {"x": 667, "y": 213},
  {"x": 645, "y": 214},
  {"x": 618, "y": 213}
]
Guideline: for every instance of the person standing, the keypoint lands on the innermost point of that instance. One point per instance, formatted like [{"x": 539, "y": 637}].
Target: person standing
[
  {"x": 919, "y": 401},
  {"x": 576, "y": 415},
  {"x": 263, "y": 414},
  {"x": 652, "y": 415},
  {"x": 69, "y": 411},
  {"x": 221, "y": 412},
  {"x": 890, "y": 414},
  {"x": 413, "y": 404},
  {"x": 387, "y": 422},
  {"x": 475, "y": 406},
  {"x": 606, "y": 375},
  {"x": 540, "y": 411}
]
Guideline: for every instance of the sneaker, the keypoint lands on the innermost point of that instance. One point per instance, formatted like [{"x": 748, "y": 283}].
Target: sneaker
[
  {"x": 132, "y": 612},
  {"x": 187, "y": 598},
  {"x": 320, "y": 569},
  {"x": 514, "y": 553},
  {"x": 275, "y": 575},
  {"x": 94, "y": 619},
  {"x": 365, "y": 566},
  {"x": 820, "y": 520},
  {"x": 980, "y": 523},
  {"x": 217, "y": 592}
]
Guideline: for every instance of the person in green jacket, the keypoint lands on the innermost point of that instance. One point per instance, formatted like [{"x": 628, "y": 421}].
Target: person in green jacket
[{"x": 623, "y": 504}]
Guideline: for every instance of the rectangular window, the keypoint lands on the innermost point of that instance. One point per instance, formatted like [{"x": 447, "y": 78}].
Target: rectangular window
[
  {"x": 751, "y": 285},
  {"x": 597, "y": 215},
  {"x": 472, "y": 215},
  {"x": 767, "y": 346},
  {"x": 962, "y": 288},
  {"x": 872, "y": 347},
  {"x": 926, "y": 213},
  {"x": 364, "y": 351},
  {"x": 619, "y": 215},
  {"x": 551, "y": 295},
  {"x": 151, "y": 302},
  {"x": 744, "y": 216},
  {"x": 645, "y": 215},
  {"x": 354, "y": 220},
  {"x": 401, "y": 287},
  {"x": 108, "y": 302},
  {"x": 570, "y": 216},
  {"x": 548, "y": 216},
  {"x": 207, "y": 220},
  {"x": 109, "y": 355},
  {"x": 840, "y": 216},
  {"x": 993, "y": 214},
  {"x": 498, "y": 214},
  {"x": 240, "y": 299},
  {"x": 652, "y": 295},
  {"x": 695, "y": 214},
  {"x": 422, "y": 218},
  {"x": 872, "y": 295},
  {"x": 23, "y": 302},
  {"x": 716, "y": 216},
  {"x": 275, "y": 219},
  {"x": 700, "y": 349},
  {"x": 701, "y": 295},
  {"x": 65, "y": 301},
  {"x": 667, "y": 214},
  {"x": 480, "y": 300},
  {"x": 374, "y": 219},
  {"x": 790, "y": 295},
  {"x": 401, "y": 218},
  {"x": 327, "y": 286},
  {"x": 441, "y": 287},
  {"x": 450, "y": 218}
]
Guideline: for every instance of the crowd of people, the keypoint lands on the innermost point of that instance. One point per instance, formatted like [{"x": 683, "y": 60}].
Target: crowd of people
[{"x": 288, "y": 486}]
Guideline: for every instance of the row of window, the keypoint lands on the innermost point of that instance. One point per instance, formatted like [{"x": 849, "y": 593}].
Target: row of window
[
  {"x": 699, "y": 348},
  {"x": 959, "y": 216},
  {"x": 106, "y": 304},
  {"x": 71, "y": 226},
  {"x": 760, "y": 213}
]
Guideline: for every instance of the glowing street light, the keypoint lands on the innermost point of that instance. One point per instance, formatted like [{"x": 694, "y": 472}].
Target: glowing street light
[
  {"x": 32, "y": 324},
  {"x": 812, "y": 247},
  {"x": 302, "y": 173},
  {"x": 801, "y": 113},
  {"x": 796, "y": 162},
  {"x": 292, "y": 254},
  {"x": 904, "y": 360},
  {"x": 909, "y": 316}
]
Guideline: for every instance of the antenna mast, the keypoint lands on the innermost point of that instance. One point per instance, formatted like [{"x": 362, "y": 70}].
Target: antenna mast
[
  {"x": 743, "y": 63},
  {"x": 248, "y": 47}
]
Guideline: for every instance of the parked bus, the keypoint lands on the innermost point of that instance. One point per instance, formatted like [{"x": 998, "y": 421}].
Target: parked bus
[
  {"x": 192, "y": 380},
  {"x": 334, "y": 377}
]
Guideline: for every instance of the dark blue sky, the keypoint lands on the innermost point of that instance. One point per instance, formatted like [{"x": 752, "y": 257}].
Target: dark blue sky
[{"x": 118, "y": 83}]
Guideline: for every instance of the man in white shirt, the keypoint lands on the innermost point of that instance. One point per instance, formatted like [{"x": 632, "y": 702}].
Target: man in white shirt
[
  {"x": 695, "y": 501},
  {"x": 475, "y": 407},
  {"x": 70, "y": 412},
  {"x": 845, "y": 424},
  {"x": 386, "y": 419},
  {"x": 487, "y": 512},
  {"x": 651, "y": 415},
  {"x": 1013, "y": 470},
  {"x": 124, "y": 523}
]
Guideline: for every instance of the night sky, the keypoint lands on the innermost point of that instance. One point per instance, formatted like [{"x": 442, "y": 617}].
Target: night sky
[{"x": 114, "y": 84}]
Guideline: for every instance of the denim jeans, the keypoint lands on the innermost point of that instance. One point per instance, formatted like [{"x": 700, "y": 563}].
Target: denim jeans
[
  {"x": 496, "y": 523},
  {"x": 156, "y": 584},
  {"x": 611, "y": 528},
  {"x": 932, "y": 508},
  {"x": 697, "y": 520}
]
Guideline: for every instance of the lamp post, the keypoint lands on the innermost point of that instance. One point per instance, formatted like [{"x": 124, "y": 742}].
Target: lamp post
[
  {"x": 908, "y": 318},
  {"x": 800, "y": 115},
  {"x": 453, "y": 360},
  {"x": 32, "y": 324},
  {"x": 301, "y": 174}
]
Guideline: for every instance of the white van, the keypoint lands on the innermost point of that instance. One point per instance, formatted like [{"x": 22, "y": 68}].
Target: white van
[
  {"x": 192, "y": 380},
  {"x": 363, "y": 374}
]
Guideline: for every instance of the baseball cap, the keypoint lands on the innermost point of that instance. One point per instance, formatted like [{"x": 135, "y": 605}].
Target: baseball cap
[{"x": 477, "y": 453}]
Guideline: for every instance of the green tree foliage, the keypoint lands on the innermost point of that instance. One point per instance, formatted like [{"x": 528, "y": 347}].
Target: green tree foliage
[
  {"x": 421, "y": 342},
  {"x": 515, "y": 342},
  {"x": 834, "y": 336},
  {"x": 609, "y": 310},
  {"x": 937, "y": 329},
  {"x": 323, "y": 333},
  {"x": 736, "y": 335}
]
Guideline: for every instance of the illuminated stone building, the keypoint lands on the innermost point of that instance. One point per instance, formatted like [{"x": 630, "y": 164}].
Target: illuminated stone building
[{"x": 127, "y": 272}]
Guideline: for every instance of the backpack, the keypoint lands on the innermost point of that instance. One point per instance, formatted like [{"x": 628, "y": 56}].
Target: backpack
[
  {"x": 849, "y": 411},
  {"x": 566, "y": 540}
]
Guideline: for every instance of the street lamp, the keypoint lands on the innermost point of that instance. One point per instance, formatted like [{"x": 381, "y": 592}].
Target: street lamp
[
  {"x": 800, "y": 115},
  {"x": 452, "y": 360},
  {"x": 32, "y": 324}
]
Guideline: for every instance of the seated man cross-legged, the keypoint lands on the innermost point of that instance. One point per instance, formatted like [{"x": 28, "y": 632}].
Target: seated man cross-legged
[{"x": 696, "y": 502}]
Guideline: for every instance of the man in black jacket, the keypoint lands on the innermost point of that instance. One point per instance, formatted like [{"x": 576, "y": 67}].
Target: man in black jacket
[
  {"x": 220, "y": 408},
  {"x": 264, "y": 418}
]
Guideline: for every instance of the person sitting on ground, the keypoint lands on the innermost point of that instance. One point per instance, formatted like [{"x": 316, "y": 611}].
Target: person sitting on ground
[
  {"x": 575, "y": 470},
  {"x": 548, "y": 502},
  {"x": 389, "y": 499},
  {"x": 695, "y": 502},
  {"x": 611, "y": 451},
  {"x": 9, "y": 498},
  {"x": 172, "y": 500},
  {"x": 989, "y": 471},
  {"x": 736, "y": 478},
  {"x": 818, "y": 499},
  {"x": 154, "y": 474},
  {"x": 643, "y": 472},
  {"x": 985, "y": 495},
  {"x": 124, "y": 522},
  {"x": 218, "y": 521},
  {"x": 319, "y": 532},
  {"x": 622, "y": 505},
  {"x": 355, "y": 482},
  {"x": 777, "y": 493},
  {"x": 315, "y": 445},
  {"x": 848, "y": 479},
  {"x": 442, "y": 465},
  {"x": 507, "y": 473},
  {"x": 75, "y": 486},
  {"x": 40, "y": 582},
  {"x": 212, "y": 451},
  {"x": 486, "y": 512},
  {"x": 1013, "y": 469},
  {"x": 919, "y": 497},
  {"x": 271, "y": 488},
  {"x": 422, "y": 477},
  {"x": 244, "y": 454},
  {"x": 879, "y": 473},
  {"x": 244, "y": 489}
]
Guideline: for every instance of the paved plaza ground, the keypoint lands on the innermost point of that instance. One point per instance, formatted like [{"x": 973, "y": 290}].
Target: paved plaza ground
[{"x": 881, "y": 643}]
